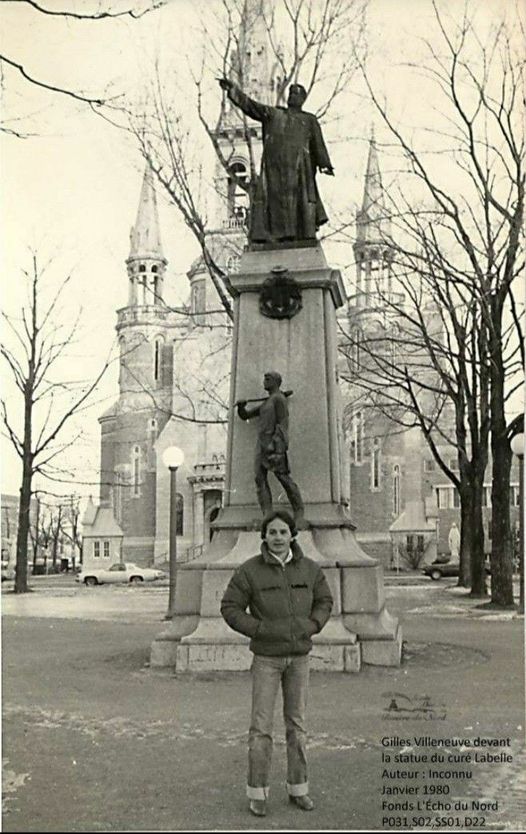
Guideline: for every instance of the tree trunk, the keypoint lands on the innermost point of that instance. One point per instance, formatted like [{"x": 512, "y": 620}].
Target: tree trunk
[
  {"x": 36, "y": 537},
  {"x": 501, "y": 544},
  {"x": 478, "y": 574},
  {"x": 501, "y": 540},
  {"x": 24, "y": 510},
  {"x": 464, "y": 575}
]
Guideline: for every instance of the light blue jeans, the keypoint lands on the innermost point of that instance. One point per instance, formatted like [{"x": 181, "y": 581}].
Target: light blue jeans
[{"x": 292, "y": 672}]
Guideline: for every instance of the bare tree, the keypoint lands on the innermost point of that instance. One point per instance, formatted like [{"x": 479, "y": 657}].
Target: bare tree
[
  {"x": 38, "y": 345},
  {"x": 478, "y": 203},
  {"x": 70, "y": 527},
  {"x": 426, "y": 365}
]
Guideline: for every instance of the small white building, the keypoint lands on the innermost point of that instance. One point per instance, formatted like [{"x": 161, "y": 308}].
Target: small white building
[
  {"x": 414, "y": 536},
  {"x": 101, "y": 537}
]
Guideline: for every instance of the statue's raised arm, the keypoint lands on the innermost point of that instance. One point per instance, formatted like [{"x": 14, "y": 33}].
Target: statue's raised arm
[
  {"x": 286, "y": 205},
  {"x": 250, "y": 107}
]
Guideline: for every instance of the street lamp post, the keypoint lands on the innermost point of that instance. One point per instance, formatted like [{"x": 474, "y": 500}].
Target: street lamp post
[
  {"x": 173, "y": 458},
  {"x": 517, "y": 447}
]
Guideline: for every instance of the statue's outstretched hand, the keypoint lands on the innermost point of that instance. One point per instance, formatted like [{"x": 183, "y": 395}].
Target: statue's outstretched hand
[{"x": 225, "y": 84}]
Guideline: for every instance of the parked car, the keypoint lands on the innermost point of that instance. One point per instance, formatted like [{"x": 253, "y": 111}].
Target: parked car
[
  {"x": 439, "y": 569},
  {"x": 121, "y": 573}
]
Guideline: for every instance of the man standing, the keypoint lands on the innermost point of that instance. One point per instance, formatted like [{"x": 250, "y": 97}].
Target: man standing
[
  {"x": 272, "y": 445},
  {"x": 288, "y": 600},
  {"x": 286, "y": 204}
]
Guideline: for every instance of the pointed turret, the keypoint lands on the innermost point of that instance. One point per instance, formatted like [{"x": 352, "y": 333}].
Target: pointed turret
[
  {"x": 145, "y": 236},
  {"x": 372, "y": 221},
  {"x": 146, "y": 262}
]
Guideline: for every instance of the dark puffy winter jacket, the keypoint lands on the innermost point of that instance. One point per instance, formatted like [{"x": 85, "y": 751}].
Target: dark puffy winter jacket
[{"x": 286, "y": 604}]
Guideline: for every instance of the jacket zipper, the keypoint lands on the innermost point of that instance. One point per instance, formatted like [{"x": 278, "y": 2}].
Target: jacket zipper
[{"x": 289, "y": 596}]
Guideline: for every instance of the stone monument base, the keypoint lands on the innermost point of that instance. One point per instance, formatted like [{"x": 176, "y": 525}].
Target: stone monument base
[
  {"x": 301, "y": 346},
  {"x": 360, "y": 630}
]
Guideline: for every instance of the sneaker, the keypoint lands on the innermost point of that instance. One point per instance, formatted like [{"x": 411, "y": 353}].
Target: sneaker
[
  {"x": 303, "y": 802},
  {"x": 258, "y": 807}
]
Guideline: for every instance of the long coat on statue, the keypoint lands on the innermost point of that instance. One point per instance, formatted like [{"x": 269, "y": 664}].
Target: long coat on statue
[{"x": 286, "y": 204}]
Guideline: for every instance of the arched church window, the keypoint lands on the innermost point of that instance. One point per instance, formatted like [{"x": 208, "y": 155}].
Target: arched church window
[
  {"x": 136, "y": 470},
  {"x": 142, "y": 268},
  {"x": 198, "y": 300},
  {"x": 375, "y": 464},
  {"x": 179, "y": 514},
  {"x": 157, "y": 358},
  {"x": 237, "y": 196},
  {"x": 155, "y": 268},
  {"x": 357, "y": 437},
  {"x": 396, "y": 490}
]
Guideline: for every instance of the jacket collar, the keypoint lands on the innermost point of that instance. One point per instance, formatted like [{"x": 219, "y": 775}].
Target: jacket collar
[{"x": 297, "y": 553}]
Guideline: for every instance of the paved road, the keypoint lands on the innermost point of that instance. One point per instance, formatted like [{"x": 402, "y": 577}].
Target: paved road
[
  {"x": 67, "y": 580},
  {"x": 147, "y": 603},
  {"x": 62, "y": 597}
]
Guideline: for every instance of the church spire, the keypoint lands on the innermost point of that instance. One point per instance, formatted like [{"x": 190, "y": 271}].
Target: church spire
[
  {"x": 146, "y": 262},
  {"x": 372, "y": 221},
  {"x": 145, "y": 237}
]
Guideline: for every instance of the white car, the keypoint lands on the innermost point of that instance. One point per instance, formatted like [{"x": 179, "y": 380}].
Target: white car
[{"x": 121, "y": 573}]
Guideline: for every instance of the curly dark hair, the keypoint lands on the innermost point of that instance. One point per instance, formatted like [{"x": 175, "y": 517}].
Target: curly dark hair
[{"x": 284, "y": 516}]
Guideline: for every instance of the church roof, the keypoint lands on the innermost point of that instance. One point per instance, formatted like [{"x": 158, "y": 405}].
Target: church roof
[
  {"x": 413, "y": 520},
  {"x": 110, "y": 412},
  {"x": 145, "y": 236},
  {"x": 89, "y": 513},
  {"x": 198, "y": 266},
  {"x": 103, "y": 524}
]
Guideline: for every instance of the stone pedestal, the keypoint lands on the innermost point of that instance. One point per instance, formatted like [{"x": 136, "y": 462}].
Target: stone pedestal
[{"x": 303, "y": 350}]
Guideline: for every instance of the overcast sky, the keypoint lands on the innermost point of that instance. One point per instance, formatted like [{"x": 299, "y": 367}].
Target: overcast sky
[{"x": 70, "y": 189}]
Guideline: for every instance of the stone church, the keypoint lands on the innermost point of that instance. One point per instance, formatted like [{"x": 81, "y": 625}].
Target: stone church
[{"x": 174, "y": 366}]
